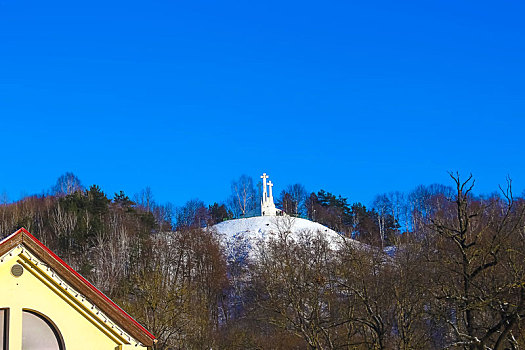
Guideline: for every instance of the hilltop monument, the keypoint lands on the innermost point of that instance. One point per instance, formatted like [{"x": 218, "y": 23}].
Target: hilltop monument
[{"x": 267, "y": 205}]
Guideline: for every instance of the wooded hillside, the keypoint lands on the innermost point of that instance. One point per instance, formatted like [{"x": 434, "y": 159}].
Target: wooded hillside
[{"x": 442, "y": 268}]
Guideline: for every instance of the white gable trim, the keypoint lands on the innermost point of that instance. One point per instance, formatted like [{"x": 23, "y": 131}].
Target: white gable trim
[{"x": 48, "y": 276}]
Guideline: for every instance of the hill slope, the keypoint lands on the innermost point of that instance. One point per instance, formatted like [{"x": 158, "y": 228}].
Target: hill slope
[
  {"x": 263, "y": 227},
  {"x": 240, "y": 236}
]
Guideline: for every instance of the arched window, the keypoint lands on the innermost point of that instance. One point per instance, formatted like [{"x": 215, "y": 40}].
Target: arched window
[{"x": 39, "y": 333}]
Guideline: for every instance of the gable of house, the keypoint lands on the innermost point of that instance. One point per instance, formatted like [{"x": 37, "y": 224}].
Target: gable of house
[{"x": 39, "y": 289}]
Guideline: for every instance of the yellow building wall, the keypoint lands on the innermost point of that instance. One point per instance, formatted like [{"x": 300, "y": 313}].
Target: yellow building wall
[{"x": 79, "y": 329}]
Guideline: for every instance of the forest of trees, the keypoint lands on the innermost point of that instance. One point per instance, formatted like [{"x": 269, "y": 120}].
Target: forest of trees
[{"x": 437, "y": 268}]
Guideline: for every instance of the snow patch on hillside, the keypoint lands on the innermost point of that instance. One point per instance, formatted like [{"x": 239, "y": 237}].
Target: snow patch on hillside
[
  {"x": 240, "y": 237},
  {"x": 262, "y": 228}
]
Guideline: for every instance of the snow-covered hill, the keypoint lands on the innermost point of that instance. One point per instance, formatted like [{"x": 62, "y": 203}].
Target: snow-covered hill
[
  {"x": 264, "y": 227},
  {"x": 242, "y": 235}
]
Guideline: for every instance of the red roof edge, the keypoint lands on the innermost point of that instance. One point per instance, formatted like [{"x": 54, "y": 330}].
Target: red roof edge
[{"x": 86, "y": 282}]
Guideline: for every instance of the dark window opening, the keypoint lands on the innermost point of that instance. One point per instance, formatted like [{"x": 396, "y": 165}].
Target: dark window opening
[{"x": 4, "y": 328}]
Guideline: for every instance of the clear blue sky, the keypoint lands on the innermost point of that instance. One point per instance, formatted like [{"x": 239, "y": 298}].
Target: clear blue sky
[{"x": 357, "y": 98}]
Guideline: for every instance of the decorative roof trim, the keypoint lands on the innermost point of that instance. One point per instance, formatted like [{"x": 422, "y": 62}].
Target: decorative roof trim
[
  {"x": 77, "y": 282},
  {"x": 47, "y": 275}
]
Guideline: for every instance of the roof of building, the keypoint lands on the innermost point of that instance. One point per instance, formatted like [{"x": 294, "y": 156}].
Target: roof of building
[{"x": 66, "y": 272}]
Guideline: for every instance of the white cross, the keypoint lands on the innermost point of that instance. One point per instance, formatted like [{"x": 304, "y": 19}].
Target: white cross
[
  {"x": 264, "y": 177},
  {"x": 270, "y": 184}
]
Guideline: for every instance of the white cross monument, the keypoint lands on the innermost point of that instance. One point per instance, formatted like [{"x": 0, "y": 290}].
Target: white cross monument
[
  {"x": 265, "y": 195},
  {"x": 267, "y": 206}
]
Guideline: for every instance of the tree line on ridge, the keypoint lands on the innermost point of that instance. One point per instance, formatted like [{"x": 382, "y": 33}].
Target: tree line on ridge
[{"x": 437, "y": 268}]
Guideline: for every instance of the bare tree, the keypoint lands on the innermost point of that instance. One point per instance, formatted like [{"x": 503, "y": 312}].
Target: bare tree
[
  {"x": 477, "y": 268},
  {"x": 293, "y": 200},
  {"x": 4, "y": 198},
  {"x": 243, "y": 197},
  {"x": 63, "y": 224},
  {"x": 399, "y": 209},
  {"x": 111, "y": 254},
  {"x": 383, "y": 207},
  {"x": 193, "y": 214},
  {"x": 293, "y": 288},
  {"x": 144, "y": 199},
  {"x": 66, "y": 184},
  {"x": 410, "y": 296},
  {"x": 363, "y": 278}
]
